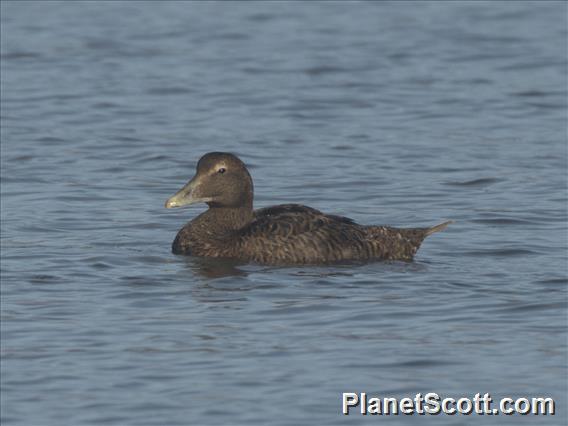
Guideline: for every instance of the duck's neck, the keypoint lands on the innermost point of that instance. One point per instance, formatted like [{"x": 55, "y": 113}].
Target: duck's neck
[{"x": 226, "y": 219}]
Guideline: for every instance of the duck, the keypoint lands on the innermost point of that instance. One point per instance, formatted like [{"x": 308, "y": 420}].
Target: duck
[{"x": 286, "y": 234}]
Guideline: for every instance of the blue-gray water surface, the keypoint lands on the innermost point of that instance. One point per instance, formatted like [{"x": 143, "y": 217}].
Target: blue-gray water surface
[{"x": 402, "y": 113}]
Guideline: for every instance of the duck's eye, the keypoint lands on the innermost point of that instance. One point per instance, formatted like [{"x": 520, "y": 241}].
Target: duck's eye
[{"x": 221, "y": 170}]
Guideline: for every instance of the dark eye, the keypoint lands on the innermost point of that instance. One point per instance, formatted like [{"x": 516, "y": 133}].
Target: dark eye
[{"x": 221, "y": 170}]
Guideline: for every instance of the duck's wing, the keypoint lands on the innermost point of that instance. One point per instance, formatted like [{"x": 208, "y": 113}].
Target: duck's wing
[
  {"x": 292, "y": 233},
  {"x": 292, "y": 219},
  {"x": 299, "y": 210}
]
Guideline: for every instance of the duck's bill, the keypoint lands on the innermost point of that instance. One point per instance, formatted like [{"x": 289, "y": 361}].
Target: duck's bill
[{"x": 186, "y": 196}]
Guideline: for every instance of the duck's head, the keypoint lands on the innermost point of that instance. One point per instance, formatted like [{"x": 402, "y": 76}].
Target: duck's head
[{"x": 221, "y": 180}]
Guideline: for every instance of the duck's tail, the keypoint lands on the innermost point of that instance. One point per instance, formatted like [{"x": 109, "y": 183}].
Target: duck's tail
[{"x": 437, "y": 228}]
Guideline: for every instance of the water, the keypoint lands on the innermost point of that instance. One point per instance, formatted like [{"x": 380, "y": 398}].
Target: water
[{"x": 390, "y": 113}]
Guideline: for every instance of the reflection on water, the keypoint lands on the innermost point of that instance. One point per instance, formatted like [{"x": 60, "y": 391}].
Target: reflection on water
[
  {"x": 215, "y": 268},
  {"x": 381, "y": 112}
]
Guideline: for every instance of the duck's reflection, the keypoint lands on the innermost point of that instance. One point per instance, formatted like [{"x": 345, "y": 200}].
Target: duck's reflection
[
  {"x": 221, "y": 268},
  {"x": 215, "y": 267}
]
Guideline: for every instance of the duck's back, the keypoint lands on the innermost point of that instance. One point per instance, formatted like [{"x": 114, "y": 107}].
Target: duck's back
[{"x": 296, "y": 234}]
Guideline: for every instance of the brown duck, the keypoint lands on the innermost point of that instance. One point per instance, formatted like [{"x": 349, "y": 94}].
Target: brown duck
[{"x": 283, "y": 234}]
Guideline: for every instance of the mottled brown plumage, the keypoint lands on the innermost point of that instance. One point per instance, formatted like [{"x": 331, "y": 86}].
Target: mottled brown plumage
[{"x": 284, "y": 234}]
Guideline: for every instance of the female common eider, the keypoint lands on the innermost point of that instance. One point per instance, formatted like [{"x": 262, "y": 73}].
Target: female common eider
[{"x": 284, "y": 234}]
